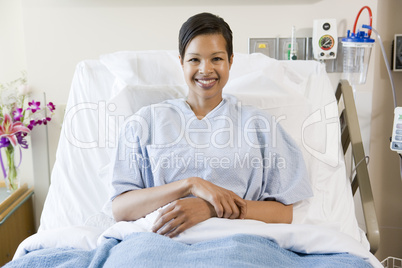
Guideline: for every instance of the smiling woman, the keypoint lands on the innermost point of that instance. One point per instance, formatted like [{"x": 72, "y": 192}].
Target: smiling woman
[
  {"x": 206, "y": 66},
  {"x": 206, "y": 189},
  {"x": 206, "y": 55}
]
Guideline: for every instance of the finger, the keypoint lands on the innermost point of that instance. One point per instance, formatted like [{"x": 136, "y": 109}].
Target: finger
[
  {"x": 170, "y": 226},
  {"x": 235, "y": 210},
  {"x": 218, "y": 209},
  {"x": 164, "y": 219},
  {"x": 163, "y": 211},
  {"x": 227, "y": 209},
  {"x": 178, "y": 230},
  {"x": 243, "y": 208}
]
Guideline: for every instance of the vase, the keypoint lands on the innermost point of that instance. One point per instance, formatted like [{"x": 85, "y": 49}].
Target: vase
[{"x": 12, "y": 178}]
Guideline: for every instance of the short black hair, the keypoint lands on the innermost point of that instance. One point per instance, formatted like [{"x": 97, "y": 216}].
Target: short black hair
[{"x": 204, "y": 23}]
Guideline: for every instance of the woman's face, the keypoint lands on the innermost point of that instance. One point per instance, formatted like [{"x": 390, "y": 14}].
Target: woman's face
[{"x": 206, "y": 66}]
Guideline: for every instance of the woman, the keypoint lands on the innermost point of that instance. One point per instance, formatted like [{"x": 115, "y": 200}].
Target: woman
[{"x": 207, "y": 147}]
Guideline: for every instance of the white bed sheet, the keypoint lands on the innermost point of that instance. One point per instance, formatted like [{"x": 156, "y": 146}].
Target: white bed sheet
[
  {"x": 301, "y": 238},
  {"x": 106, "y": 91}
]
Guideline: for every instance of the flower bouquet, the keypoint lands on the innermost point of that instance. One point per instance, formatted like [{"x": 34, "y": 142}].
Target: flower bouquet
[{"x": 18, "y": 117}]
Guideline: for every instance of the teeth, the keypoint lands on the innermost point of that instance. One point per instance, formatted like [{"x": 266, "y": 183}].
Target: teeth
[{"x": 206, "y": 82}]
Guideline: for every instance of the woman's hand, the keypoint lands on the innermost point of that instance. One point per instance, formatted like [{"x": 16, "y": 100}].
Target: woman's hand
[
  {"x": 225, "y": 202},
  {"x": 182, "y": 214}
]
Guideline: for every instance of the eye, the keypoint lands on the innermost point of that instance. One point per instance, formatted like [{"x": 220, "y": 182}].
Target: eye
[
  {"x": 217, "y": 59},
  {"x": 193, "y": 60}
]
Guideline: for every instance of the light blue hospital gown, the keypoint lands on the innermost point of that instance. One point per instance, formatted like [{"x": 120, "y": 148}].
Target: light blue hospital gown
[{"x": 236, "y": 147}]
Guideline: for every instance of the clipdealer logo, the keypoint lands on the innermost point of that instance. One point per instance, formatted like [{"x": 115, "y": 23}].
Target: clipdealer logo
[
  {"x": 329, "y": 116},
  {"x": 200, "y": 160},
  {"x": 108, "y": 126}
]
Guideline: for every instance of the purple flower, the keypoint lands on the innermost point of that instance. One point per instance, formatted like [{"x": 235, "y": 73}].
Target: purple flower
[
  {"x": 51, "y": 106},
  {"x": 21, "y": 139},
  {"x": 17, "y": 114},
  {"x": 4, "y": 142},
  {"x": 34, "y": 106},
  {"x": 34, "y": 123},
  {"x": 31, "y": 125},
  {"x": 45, "y": 120}
]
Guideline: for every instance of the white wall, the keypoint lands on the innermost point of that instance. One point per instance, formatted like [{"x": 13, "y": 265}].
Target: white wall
[
  {"x": 12, "y": 45},
  {"x": 59, "y": 34}
]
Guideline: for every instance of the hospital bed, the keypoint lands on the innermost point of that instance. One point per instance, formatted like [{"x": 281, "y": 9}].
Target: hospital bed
[{"x": 77, "y": 219}]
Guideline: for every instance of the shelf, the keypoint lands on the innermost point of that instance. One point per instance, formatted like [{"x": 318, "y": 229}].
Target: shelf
[
  {"x": 10, "y": 203},
  {"x": 16, "y": 220}
]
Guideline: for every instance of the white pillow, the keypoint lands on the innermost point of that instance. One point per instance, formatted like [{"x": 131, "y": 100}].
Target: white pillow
[
  {"x": 145, "y": 67},
  {"x": 130, "y": 98}
]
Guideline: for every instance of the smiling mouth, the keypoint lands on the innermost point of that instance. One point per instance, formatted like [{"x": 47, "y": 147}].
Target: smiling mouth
[{"x": 206, "y": 83}]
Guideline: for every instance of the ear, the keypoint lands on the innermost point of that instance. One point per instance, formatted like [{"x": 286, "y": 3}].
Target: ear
[
  {"x": 181, "y": 61},
  {"x": 231, "y": 61}
]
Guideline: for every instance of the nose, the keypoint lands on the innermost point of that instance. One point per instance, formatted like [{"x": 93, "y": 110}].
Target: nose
[{"x": 205, "y": 67}]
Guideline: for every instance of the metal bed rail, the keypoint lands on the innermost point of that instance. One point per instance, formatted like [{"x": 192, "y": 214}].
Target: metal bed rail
[{"x": 351, "y": 136}]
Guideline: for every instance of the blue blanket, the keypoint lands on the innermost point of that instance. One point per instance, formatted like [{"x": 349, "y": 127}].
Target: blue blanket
[{"x": 153, "y": 250}]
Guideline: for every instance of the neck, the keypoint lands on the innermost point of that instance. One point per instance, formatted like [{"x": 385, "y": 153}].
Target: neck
[{"x": 202, "y": 107}]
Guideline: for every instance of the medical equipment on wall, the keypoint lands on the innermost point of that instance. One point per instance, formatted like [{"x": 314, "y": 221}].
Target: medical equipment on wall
[
  {"x": 325, "y": 39},
  {"x": 396, "y": 139},
  {"x": 356, "y": 52},
  {"x": 282, "y": 48},
  {"x": 397, "y": 53},
  {"x": 356, "y": 57},
  {"x": 293, "y": 47}
]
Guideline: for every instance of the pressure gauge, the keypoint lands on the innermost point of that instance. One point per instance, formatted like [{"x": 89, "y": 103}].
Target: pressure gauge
[{"x": 326, "y": 42}]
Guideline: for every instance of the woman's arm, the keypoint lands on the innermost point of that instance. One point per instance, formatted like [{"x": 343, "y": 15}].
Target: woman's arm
[
  {"x": 135, "y": 204},
  {"x": 269, "y": 211},
  {"x": 183, "y": 214}
]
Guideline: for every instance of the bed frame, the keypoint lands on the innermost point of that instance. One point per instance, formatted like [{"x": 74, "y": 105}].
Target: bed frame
[{"x": 351, "y": 136}]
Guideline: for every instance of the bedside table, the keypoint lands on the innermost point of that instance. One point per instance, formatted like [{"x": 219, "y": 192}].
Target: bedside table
[{"x": 16, "y": 220}]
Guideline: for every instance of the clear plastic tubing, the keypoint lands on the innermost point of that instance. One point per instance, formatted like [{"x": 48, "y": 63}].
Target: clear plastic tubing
[{"x": 386, "y": 62}]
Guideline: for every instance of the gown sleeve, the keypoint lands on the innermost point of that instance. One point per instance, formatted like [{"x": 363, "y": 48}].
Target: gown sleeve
[
  {"x": 130, "y": 169},
  {"x": 285, "y": 177}
]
